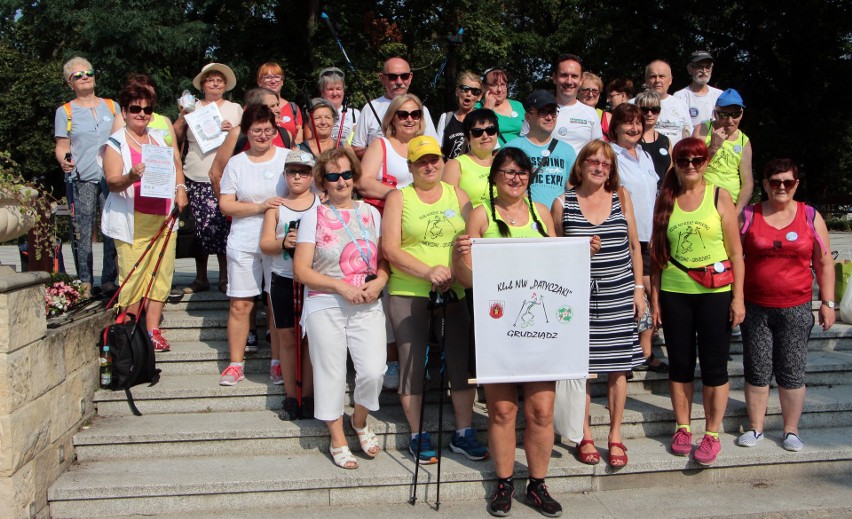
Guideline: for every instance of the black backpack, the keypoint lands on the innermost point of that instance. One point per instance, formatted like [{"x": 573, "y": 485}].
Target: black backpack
[{"x": 133, "y": 361}]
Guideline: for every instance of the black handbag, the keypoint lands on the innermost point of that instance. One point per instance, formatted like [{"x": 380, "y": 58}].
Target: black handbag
[{"x": 188, "y": 245}]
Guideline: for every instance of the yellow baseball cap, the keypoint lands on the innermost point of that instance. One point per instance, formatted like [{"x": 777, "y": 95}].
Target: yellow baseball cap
[{"x": 423, "y": 145}]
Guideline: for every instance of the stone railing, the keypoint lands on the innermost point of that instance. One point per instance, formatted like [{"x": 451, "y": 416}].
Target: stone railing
[{"x": 47, "y": 381}]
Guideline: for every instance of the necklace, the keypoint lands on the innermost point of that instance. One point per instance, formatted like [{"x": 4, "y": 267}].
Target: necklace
[
  {"x": 126, "y": 131},
  {"x": 506, "y": 213}
]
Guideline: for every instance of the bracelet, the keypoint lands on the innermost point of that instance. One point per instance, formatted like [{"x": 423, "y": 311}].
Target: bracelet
[
  {"x": 638, "y": 286},
  {"x": 178, "y": 186}
]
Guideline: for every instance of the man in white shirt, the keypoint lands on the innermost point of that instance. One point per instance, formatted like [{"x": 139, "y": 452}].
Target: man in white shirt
[
  {"x": 674, "y": 121},
  {"x": 396, "y": 77},
  {"x": 577, "y": 124},
  {"x": 699, "y": 96}
]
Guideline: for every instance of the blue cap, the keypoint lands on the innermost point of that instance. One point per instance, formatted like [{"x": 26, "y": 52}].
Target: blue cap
[
  {"x": 730, "y": 97},
  {"x": 539, "y": 99}
]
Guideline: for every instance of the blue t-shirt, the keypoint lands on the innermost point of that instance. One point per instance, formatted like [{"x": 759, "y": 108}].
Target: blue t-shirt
[
  {"x": 550, "y": 181},
  {"x": 90, "y": 129}
]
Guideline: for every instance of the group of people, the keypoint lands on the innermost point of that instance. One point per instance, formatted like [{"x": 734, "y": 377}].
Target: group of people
[{"x": 358, "y": 227}]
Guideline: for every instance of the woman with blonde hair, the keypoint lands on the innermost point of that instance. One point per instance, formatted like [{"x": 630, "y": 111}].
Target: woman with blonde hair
[{"x": 450, "y": 125}]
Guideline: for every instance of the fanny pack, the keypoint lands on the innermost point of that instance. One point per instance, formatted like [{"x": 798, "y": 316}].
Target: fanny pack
[{"x": 715, "y": 275}]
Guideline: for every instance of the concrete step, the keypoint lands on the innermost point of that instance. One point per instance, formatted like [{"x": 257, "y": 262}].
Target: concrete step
[
  {"x": 208, "y": 358},
  {"x": 210, "y": 300},
  {"x": 231, "y": 482},
  {"x": 259, "y": 432}
]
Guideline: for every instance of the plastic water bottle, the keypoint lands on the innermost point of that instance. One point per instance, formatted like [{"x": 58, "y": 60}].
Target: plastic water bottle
[{"x": 106, "y": 369}]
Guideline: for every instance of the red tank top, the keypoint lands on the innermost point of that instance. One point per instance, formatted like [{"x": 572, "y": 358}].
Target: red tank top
[{"x": 778, "y": 261}]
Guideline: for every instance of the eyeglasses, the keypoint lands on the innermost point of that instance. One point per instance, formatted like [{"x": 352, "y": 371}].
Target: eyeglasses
[
  {"x": 297, "y": 173},
  {"x": 726, "y": 115},
  {"x": 405, "y": 114},
  {"x": 214, "y": 81},
  {"x": 590, "y": 91},
  {"x": 257, "y": 132},
  {"x": 473, "y": 90},
  {"x": 511, "y": 173},
  {"x": 334, "y": 177},
  {"x": 552, "y": 112},
  {"x": 650, "y": 110},
  {"x": 490, "y": 130},
  {"x": 79, "y": 75},
  {"x": 272, "y": 77},
  {"x": 135, "y": 109},
  {"x": 595, "y": 163},
  {"x": 405, "y": 76},
  {"x": 328, "y": 73},
  {"x": 788, "y": 184},
  {"x": 696, "y": 162}
]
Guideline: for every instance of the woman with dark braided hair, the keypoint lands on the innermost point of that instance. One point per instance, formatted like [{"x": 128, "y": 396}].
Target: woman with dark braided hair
[{"x": 510, "y": 212}]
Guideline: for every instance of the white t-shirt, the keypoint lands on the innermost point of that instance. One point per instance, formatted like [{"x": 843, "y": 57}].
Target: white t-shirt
[
  {"x": 639, "y": 177},
  {"x": 674, "y": 121},
  {"x": 368, "y": 128},
  {"x": 252, "y": 182},
  {"x": 577, "y": 125},
  {"x": 700, "y": 107},
  {"x": 197, "y": 164}
]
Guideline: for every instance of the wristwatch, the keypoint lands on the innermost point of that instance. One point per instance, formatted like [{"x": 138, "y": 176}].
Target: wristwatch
[{"x": 830, "y": 304}]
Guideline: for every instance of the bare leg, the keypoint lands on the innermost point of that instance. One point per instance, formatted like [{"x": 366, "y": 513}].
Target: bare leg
[
  {"x": 223, "y": 267},
  {"x": 756, "y": 398},
  {"x": 153, "y": 313},
  {"x": 792, "y": 403},
  {"x": 587, "y": 428},
  {"x": 411, "y": 405},
  {"x": 715, "y": 402},
  {"x": 201, "y": 269},
  {"x": 681, "y": 395},
  {"x": 617, "y": 397},
  {"x": 502, "y": 438},
  {"x": 538, "y": 436},
  {"x": 238, "y": 326},
  {"x": 463, "y": 407},
  {"x": 287, "y": 354}
]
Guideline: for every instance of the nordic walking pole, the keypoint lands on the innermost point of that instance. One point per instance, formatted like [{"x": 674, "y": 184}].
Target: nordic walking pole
[
  {"x": 325, "y": 17},
  {"x": 413, "y": 499},
  {"x": 443, "y": 344},
  {"x": 69, "y": 195}
]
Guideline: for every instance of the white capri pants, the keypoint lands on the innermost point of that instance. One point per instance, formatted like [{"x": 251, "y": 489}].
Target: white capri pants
[{"x": 330, "y": 333}]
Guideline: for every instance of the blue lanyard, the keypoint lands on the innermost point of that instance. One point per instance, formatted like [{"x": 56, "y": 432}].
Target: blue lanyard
[{"x": 366, "y": 257}]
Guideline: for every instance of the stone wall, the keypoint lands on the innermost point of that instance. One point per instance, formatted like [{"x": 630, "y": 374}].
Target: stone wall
[{"x": 47, "y": 381}]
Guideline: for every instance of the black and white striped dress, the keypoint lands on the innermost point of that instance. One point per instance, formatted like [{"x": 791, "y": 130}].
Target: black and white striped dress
[{"x": 613, "y": 341}]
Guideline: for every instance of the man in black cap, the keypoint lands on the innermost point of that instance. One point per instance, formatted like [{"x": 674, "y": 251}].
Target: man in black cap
[
  {"x": 552, "y": 158},
  {"x": 699, "y": 96}
]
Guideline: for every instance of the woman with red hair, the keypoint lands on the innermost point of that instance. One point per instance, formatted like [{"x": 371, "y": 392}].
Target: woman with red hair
[{"x": 698, "y": 291}]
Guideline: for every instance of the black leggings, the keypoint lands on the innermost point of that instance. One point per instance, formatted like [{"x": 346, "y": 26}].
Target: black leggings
[{"x": 701, "y": 320}]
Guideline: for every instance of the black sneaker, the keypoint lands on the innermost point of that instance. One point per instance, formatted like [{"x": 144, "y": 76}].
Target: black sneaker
[
  {"x": 252, "y": 345},
  {"x": 501, "y": 503},
  {"x": 307, "y": 409},
  {"x": 539, "y": 497},
  {"x": 290, "y": 409}
]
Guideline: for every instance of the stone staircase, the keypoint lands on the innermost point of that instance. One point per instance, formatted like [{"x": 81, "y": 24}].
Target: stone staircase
[{"x": 201, "y": 448}]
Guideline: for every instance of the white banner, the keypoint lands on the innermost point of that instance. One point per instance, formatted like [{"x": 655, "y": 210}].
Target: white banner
[{"x": 531, "y": 309}]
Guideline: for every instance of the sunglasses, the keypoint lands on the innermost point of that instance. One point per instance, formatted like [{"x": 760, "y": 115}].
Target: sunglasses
[
  {"x": 590, "y": 91},
  {"x": 696, "y": 162},
  {"x": 334, "y": 177},
  {"x": 405, "y": 76},
  {"x": 405, "y": 114},
  {"x": 328, "y": 73},
  {"x": 788, "y": 184},
  {"x": 650, "y": 110},
  {"x": 725, "y": 115},
  {"x": 83, "y": 73},
  {"x": 473, "y": 90},
  {"x": 553, "y": 112},
  {"x": 490, "y": 130},
  {"x": 297, "y": 173},
  {"x": 135, "y": 109}
]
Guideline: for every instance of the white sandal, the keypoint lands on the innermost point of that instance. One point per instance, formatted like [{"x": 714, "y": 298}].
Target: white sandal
[
  {"x": 343, "y": 457},
  {"x": 368, "y": 440}
]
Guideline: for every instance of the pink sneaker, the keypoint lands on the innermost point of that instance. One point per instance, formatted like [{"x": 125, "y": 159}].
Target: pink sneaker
[
  {"x": 275, "y": 375},
  {"x": 160, "y": 342},
  {"x": 682, "y": 442},
  {"x": 707, "y": 450},
  {"x": 231, "y": 376}
]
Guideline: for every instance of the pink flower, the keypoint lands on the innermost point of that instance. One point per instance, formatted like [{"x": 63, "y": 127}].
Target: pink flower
[{"x": 327, "y": 219}]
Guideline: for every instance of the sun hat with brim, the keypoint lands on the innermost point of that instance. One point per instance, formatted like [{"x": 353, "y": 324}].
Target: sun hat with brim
[
  {"x": 225, "y": 70},
  {"x": 421, "y": 146},
  {"x": 730, "y": 97}
]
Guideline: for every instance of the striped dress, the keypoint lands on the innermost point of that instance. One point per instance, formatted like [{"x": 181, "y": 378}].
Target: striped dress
[{"x": 613, "y": 341}]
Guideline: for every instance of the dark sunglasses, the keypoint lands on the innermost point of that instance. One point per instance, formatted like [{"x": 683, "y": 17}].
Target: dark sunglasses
[
  {"x": 788, "y": 184},
  {"x": 328, "y": 73},
  {"x": 79, "y": 75},
  {"x": 732, "y": 115},
  {"x": 696, "y": 162},
  {"x": 650, "y": 109},
  {"x": 404, "y": 114},
  {"x": 393, "y": 77},
  {"x": 334, "y": 177},
  {"x": 135, "y": 109},
  {"x": 490, "y": 130},
  {"x": 297, "y": 173},
  {"x": 473, "y": 90}
]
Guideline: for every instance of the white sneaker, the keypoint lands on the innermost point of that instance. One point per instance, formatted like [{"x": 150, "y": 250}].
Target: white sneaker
[
  {"x": 391, "y": 376},
  {"x": 749, "y": 438},
  {"x": 792, "y": 442}
]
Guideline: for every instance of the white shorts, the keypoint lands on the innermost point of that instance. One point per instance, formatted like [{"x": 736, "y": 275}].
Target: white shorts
[{"x": 246, "y": 272}]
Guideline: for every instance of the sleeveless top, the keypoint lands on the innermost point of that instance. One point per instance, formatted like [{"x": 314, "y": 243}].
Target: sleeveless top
[
  {"x": 282, "y": 262},
  {"x": 724, "y": 168},
  {"x": 397, "y": 166},
  {"x": 696, "y": 240},
  {"x": 528, "y": 230},
  {"x": 159, "y": 125},
  {"x": 453, "y": 142},
  {"x": 428, "y": 232},
  {"x": 659, "y": 152},
  {"x": 778, "y": 261},
  {"x": 473, "y": 180}
]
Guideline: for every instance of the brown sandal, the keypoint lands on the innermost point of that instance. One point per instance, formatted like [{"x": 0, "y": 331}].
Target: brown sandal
[
  {"x": 590, "y": 458},
  {"x": 196, "y": 287}
]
